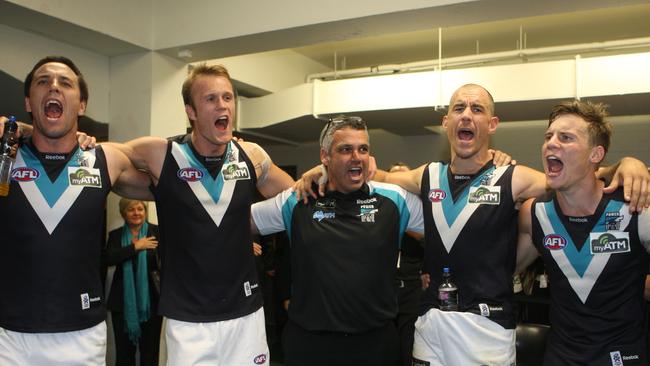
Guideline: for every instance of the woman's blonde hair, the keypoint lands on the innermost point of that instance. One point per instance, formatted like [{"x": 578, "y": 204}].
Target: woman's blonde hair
[{"x": 125, "y": 203}]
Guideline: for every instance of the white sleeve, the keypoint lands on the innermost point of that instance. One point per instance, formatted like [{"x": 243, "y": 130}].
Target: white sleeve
[
  {"x": 416, "y": 219},
  {"x": 644, "y": 229},
  {"x": 268, "y": 215}
]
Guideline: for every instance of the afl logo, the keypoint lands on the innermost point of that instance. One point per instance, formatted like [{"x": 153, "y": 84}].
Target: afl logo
[
  {"x": 24, "y": 174},
  {"x": 554, "y": 242},
  {"x": 260, "y": 360},
  {"x": 437, "y": 195},
  {"x": 190, "y": 174}
]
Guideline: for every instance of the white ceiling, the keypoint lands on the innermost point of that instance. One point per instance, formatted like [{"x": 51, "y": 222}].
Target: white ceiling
[{"x": 538, "y": 31}]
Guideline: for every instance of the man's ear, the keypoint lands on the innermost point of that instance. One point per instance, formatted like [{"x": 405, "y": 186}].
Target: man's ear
[
  {"x": 493, "y": 124},
  {"x": 191, "y": 113},
  {"x": 82, "y": 109},
  {"x": 28, "y": 107},
  {"x": 324, "y": 157},
  {"x": 597, "y": 154}
]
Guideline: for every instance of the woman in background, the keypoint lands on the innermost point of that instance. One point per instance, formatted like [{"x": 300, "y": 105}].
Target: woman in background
[{"x": 134, "y": 294}]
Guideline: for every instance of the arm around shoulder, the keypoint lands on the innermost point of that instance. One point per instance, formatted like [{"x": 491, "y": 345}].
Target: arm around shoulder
[
  {"x": 126, "y": 180},
  {"x": 271, "y": 180},
  {"x": 410, "y": 180},
  {"x": 633, "y": 174},
  {"x": 527, "y": 183}
]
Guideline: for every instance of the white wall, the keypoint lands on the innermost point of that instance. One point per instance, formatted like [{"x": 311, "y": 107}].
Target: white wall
[
  {"x": 21, "y": 50},
  {"x": 179, "y": 23},
  {"x": 271, "y": 71},
  {"x": 128, "y": 20}
]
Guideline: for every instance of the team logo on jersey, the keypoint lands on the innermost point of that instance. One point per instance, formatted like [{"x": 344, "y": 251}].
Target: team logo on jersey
[
  {"x": 367, "y": 213},
  {"x": 437, "y": 195},
  {"x": 554, "y": 242},
  {"x": 609, "y": 242},
  {"x": 321, "y": 215},
  {"x": 235, "y": 171},
  {"x": 613, "y": 221},
  {"x": 484, "y": 195},
  {"x": 190, "y": 174},
  {"x": 24, "y": 174},
  {"x": 84, "y": 177},
  {"x": 260, "y": 359},
  {"x": 486, "y": 179}
]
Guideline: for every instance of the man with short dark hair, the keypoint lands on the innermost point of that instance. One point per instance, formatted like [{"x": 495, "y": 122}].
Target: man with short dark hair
[
  {"x": 52, "y": 307},
  {"x": 594, "y": 249}
]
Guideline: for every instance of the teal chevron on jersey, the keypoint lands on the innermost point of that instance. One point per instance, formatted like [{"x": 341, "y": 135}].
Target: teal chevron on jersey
[
  {"x": 452, "y": 208},
  {"x": 213, "y": 194},
  {"x": 212, "y": 186},
  {"x": 580, "y": 259},
  {"x": 51, "y": 191},
  {"x": 51, "y": 200},
  {"x": 451, "y": 217}
]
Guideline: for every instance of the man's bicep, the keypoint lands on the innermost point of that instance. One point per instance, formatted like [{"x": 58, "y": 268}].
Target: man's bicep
[
  {"x": 146, "y": 153},
  {"x": 527, "y": 183},
  {"x": 126, "y": 180},
  {"x": 275, "y": 181}
]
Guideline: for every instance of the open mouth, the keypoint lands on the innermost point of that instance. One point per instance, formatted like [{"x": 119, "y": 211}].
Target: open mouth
[
  {"x": 53, "y": 109},
  {"x": 355, "y": 173},
  {"x": 554, "y": 165},
  {"x": 465, "y": 135},
  {"x": 222, "y": 123}
]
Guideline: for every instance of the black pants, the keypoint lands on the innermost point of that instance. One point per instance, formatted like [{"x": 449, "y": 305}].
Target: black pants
[
  {"x": 149, "y": 342},
  {"x": 306, "y": 348},
  {"x": 408, "y": 299}
]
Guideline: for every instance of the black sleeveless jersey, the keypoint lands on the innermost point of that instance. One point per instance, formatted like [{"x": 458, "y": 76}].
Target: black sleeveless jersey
[
  {"x": 472, "y": 230},
  {"x": 597, "y": 267},
  {"x": 208, "y": 269},
  {"x": 52, "y": 226}
]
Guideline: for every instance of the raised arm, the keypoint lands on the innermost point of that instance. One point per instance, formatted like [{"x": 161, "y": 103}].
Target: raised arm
[{"x": 526, "y": 251}]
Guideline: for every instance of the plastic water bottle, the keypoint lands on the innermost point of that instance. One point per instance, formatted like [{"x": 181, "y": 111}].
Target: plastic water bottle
[
  {"x": 6, "y": 157},
  {"x": 447, "y": 292}
]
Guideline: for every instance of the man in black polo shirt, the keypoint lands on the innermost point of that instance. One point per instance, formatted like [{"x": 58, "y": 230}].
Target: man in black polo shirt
[{"x": 343, "y": 256}]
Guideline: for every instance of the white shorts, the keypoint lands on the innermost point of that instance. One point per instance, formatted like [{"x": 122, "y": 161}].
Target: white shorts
[
  {"x": 86, "y": 347},
  {"x": 450, "y": 338},
  {"x": 240, "y": 342}
]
